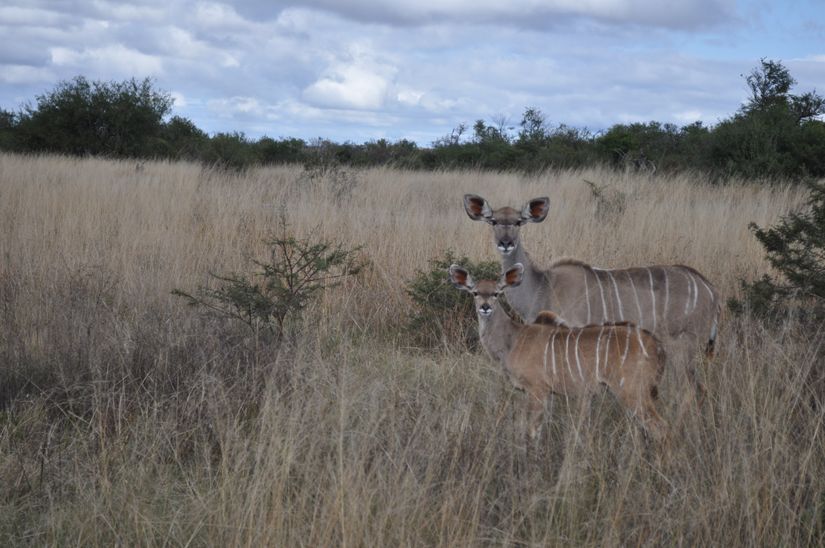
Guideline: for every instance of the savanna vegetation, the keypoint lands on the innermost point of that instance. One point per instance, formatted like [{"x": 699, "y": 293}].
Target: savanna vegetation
[
  {"x": 776, "y": 134},
  {"x": 354, "y": 413}
]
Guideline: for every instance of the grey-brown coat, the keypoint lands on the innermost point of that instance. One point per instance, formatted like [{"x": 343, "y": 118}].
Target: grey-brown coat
[{"x": 674, "y": 302}]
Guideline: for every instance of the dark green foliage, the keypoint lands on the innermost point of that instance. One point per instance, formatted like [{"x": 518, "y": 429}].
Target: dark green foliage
[
  {"x": 769, "y": 85},
  {"x": 231, "y": 150},
  {"x": 795, "y": 247},
  {"x": 644, "y": 147},
  {"x": 183, "y": 139},
  {"x": 443, "y": 315},
  {"x": 279, "y": 288},
  {"x": 775, "y": 135},
  {"x": 533, "y": 127},
  {"x": 286, "y": 151},
  {"x": 8, "y": 125},
  {"x": 120, "y": 119}
]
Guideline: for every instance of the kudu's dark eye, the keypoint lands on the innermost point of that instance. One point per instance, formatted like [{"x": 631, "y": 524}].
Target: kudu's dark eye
[
  {"x": 493, "y": 222},
  {"x": 475, "y": 293}
]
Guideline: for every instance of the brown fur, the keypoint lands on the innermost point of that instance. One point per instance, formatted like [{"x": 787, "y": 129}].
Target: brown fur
[
  {"x": 568, "y": 261},
  {"x": 547, "y": 317},
  {"x": 675, "y": 302},
  {"x": 538, "y": 359}
]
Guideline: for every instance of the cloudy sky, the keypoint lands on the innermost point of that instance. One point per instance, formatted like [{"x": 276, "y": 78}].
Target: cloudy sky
[{"x": 367, "y": 69}]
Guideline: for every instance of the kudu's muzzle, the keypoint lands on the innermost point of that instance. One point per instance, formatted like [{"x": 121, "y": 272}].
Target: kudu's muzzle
[{"x": 506, "y": 246}]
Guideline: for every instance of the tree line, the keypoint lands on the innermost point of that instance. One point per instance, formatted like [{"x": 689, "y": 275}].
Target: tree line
[{"x": 775, "y": 134}]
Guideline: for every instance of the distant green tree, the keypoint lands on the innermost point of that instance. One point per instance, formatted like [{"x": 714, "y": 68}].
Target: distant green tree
[
  {"x": 8, "y": 126},
  {"x": 182, "y": 139},
  {"x": 120, "y": 119},
  {"x": 643, "y": 146},
  {"x": 775, "y": 134},
  {"x": 231, "y": 150},
  {"x": 284, "y": 151},
  {"x": 489, "y": 134},
  {"x": 770, "y": 86},
  {"x": 492, "y": 145},
  {"x": 533, "y": 127}
]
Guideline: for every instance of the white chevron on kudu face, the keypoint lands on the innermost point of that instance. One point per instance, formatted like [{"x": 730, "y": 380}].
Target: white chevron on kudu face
[
  {"x": 550, "y": 357},
  {"x": 674, "y": 302}
]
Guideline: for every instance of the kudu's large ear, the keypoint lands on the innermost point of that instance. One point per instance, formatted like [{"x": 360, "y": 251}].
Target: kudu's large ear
[
  {"x": 477, "y": 208},
  {"x": 460, "y": 278},
  {"x": 536, "y": 209},
  {"x": 512, "y": 277}
]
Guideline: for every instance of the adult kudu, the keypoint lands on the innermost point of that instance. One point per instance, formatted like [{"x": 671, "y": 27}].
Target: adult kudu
[{"x": 674, "y": 302}]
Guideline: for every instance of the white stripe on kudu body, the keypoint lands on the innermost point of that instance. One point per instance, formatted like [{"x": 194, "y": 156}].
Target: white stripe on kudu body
[
  {"x": 578, "y": 362},
  {"x": 663, "y": 299},
  {"x": 618, "y": 299},
  {"x": 601, "y": 293},
  {"x": 652, "y": 298},
  {"x": 635, "y": 295},
  {"x": 628, "y": 370}
]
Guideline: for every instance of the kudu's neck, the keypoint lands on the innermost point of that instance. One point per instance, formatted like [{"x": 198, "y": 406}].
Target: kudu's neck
[
  {"x": 526, "y": 298},
  {"x": 519, "y": 255},
  {"x": 498, "y": 333}
]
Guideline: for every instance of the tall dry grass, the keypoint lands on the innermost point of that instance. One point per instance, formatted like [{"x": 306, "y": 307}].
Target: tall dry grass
[{"x": 130, "y": 419}]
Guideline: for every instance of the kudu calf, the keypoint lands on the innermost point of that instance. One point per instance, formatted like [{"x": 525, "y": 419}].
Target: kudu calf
[
  {"x": 550, "y": 357},
  {"x": 674, "y": 302}
]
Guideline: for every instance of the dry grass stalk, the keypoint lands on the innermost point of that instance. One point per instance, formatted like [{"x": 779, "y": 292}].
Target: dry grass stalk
[{"x": 145, "y": 424}]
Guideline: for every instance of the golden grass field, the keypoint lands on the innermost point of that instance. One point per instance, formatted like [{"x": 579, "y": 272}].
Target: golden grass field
[{"x": 127, "y": 418}]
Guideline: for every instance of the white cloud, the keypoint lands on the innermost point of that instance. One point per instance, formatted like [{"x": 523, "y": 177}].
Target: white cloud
[
  {"x": 128, "y": 12},
  {"x": 233, "y": 105},
  {"x": 22, "y": 74},
  {"x": 523, "y": 13},
  {"x": 409, "y": 97},
  {"x": 348, "y": 86},
  {"x": 114, "y": 59},
  {"x": 688, "y": 116},
  {"x": 358, "y": 81},
  {"x": 219, "y": 16},
  {"x": 16, "y": 15}
]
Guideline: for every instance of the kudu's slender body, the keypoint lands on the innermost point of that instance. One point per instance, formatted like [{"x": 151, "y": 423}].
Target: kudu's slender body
[
  {"x": 674, "y": 302},
  {"x": 549, "y": 357}
]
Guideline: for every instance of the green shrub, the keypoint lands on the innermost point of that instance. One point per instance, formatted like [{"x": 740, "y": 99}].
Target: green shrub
[
  {"x": 444, "y": 316},
  {"x": 795, "y": 247},
  {"x": 267, "y": 298},
  {"x": 231, "y": 151},
  {"x": 119, "y": 119},
  {"x": 183, "y": 139}
]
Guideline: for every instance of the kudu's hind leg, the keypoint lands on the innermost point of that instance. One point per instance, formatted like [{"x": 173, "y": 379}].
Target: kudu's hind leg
[
  {"x": 642, "y": 406},
  {"x": 535, "y": 412},
  {"x": 652, "y": 422},
  {"x": 682, "y": 372},
  {"x": 698, "y": 387}
]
